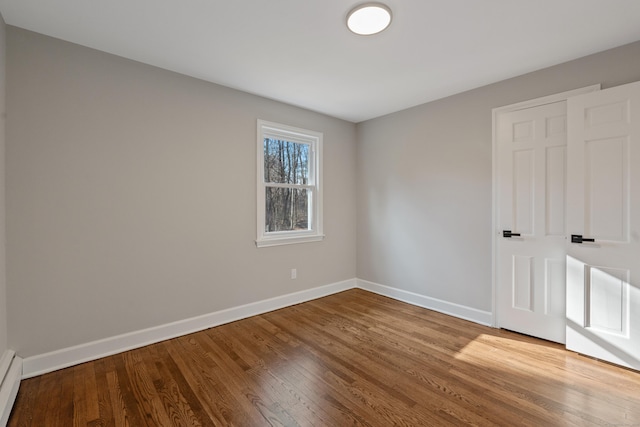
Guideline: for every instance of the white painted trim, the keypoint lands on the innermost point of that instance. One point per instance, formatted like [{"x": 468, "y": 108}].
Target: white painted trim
[
  {"x": 549, "y": 99},
  {"x": 449, "y": 308},
  {"x": 63, "y": 358},
  {"x": 288, "y": 240},
  {"x": 48, "y": 362},
  {"x": 563, "y": 96},
  {"x": 301, "y": 136},
  {"x": 10, "y": 384},
  {"x": 5, "y": 363}
]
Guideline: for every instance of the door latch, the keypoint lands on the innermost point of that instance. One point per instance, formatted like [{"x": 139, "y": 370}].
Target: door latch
[
  {"x": 508, "y": 233},
  {"x": 577, "y": 238}
]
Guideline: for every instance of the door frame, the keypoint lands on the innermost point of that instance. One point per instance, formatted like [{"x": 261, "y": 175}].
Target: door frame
[{"x": 495, "y": 233}]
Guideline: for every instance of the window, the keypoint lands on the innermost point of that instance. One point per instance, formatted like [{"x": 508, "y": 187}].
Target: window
[{"x": 289, "y": 185}]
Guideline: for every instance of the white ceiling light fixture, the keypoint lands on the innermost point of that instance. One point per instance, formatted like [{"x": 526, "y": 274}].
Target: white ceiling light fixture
[{"x": 369, "y": 18}]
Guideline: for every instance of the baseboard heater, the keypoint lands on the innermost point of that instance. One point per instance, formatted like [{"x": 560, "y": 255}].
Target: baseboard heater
[{"x": 10, "y": 376}]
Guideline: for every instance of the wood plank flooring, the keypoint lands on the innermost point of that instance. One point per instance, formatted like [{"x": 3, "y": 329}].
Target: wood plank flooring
[{"x": 350, "y": 359}]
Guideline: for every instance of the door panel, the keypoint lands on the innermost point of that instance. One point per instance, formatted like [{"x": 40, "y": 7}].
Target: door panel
[
  {"x": 555, "y": 191},
  {"x": 606, "y": 194},
  {"x": 531, "y": 193},
  {"x": 524, "y": 187},
  {"x": 607, "y": 298},
  {"x": 555, "y": 276},
  {"x": 522, "y": 286},
  {"x": 603, "y": 203}
]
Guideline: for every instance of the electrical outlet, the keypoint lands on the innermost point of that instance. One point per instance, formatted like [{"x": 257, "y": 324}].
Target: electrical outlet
[{"x": 294, "y": 273}]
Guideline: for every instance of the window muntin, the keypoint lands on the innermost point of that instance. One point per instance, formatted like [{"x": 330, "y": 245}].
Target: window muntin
[{"x": 289, "y": 191}]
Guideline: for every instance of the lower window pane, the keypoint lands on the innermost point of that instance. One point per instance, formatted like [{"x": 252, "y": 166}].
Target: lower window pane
[{"x": 287, "y": 209}]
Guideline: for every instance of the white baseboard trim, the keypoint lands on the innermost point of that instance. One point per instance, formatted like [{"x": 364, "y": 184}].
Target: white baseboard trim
[
  {"x": 452, "y": 309},
  {"x": 10, "y": 375},
  {"x": 59, "y": 359},
  {"x": 63, "y": 358}
]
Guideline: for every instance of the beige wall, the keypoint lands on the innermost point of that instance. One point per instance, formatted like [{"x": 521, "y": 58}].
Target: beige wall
[
  {"x": 3, "y": 271},
  {"x": 131, "y": 197},
  {"x": 424, "y": 181}
]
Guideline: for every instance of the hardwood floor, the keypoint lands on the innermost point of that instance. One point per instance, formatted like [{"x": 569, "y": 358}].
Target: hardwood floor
[{"x": 353, "y": 358}]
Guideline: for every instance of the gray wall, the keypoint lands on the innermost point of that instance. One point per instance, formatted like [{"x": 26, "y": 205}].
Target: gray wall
[
  {"x": 131, "y": 193},
  {"x": 424, "y": 181},
  {"x": 131, "y": 197},
  {"x": 3, "y": 270}
]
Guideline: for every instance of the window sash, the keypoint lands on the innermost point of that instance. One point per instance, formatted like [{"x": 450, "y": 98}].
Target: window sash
[
  {"x": 310, "y": 172},
  {"x": 288, "y": 210},
  {"x": 313, "y": 186},
  {"x": 294, "y": 186}
]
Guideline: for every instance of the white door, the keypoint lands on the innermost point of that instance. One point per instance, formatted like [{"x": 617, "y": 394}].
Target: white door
[
  {"x": 603, "y": 276},
  {"x": 531, "y": 186}
]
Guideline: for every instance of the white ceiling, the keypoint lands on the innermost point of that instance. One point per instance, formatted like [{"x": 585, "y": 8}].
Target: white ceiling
[{"x": 300, "y": 52}]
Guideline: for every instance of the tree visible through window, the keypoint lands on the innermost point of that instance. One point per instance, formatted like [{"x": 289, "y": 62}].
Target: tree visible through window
[
  {"x": 289, "y": 184},
  {"x": 286, "y": 162}
]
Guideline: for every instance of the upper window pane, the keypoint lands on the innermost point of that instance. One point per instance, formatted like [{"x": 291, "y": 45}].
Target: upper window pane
[{"x": 285, "y": 162}]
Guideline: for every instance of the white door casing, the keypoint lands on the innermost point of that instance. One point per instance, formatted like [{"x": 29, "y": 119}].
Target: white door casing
[
  {"x": 603, "y": 203},
  {"x": 531, "y": 203}
]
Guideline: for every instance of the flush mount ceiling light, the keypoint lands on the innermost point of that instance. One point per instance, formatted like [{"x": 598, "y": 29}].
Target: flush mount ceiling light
[{"x": 369, "y": 18}]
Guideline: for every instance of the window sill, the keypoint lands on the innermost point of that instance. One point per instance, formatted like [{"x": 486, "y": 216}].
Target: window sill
[{"x": 291, "y": 240}]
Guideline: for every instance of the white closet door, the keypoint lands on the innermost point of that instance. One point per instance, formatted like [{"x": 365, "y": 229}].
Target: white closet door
[
  {"x": 603, "y": 217},
  {"x": 531, "y": 147}
]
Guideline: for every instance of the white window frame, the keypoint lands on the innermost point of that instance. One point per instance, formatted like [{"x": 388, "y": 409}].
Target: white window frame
[{"x": 300, "y": 136}]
